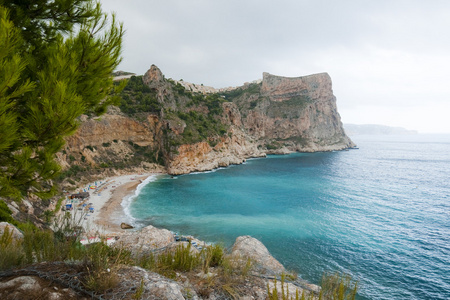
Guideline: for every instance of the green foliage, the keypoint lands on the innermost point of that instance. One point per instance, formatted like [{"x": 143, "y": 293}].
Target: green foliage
[
  {"x": 145, "y": 153},
  {"x": 180, "y": 260},
  {"x": 336, "y": 286},
  {"x": 48, "y": 216},
  {"x": 5, "y": 213},
  {"x": 137, "y": 97},
  {"x": 9, "y": 256},
  {"x": 273, "y": 145},
  {"x": 252, "y": 88},
  {"x": 214, "y": 256},
  {"x": 59, "y": 204},
  {"x": 284, "y": 294},
  {"x": 200, "y": 127},
  {"x": 56, "y": 61}
]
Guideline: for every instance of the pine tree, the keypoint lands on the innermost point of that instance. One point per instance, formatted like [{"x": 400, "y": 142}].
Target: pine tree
[{"x": 56, "y": 61}]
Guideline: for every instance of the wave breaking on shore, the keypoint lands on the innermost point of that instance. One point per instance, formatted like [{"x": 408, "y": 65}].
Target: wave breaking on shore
[{"x": 127, "y": 201}]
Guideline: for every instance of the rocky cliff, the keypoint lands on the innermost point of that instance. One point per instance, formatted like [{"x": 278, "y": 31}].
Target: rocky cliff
[
  {"x": 294, "y": 114},
  {"x": 185, "y": 129}
]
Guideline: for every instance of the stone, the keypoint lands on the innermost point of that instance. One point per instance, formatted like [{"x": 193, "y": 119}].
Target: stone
[
  {"x": 148, "y": 238},
  {"x": 126, "y": 226},
  {"x": 249, "y": 247},
  {"x": 22, "y": 283},
  {"x": 155, "y": 286},
  {"x": 16, "y": 233}
]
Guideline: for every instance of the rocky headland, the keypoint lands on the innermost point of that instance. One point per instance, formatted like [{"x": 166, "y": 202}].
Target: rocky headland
[{"x": 178, "y": 127}]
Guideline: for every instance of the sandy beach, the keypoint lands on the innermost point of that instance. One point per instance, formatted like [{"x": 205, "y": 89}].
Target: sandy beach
[{"x": 106, "y": 197}]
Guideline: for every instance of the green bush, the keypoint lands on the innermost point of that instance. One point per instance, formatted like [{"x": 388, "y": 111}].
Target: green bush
[
  {"x": 180, "y": 260},
  {"x": 5, "y": 213},
  {"x": 338, "y": 286},
  {"x": 138, "y": 97}
]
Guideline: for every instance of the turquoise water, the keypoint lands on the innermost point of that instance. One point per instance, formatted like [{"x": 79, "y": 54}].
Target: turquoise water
[{"x": 381, "y": 213}]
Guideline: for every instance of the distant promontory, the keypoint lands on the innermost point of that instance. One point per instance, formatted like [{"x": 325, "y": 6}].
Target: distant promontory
[{"x": 373, "y": 129}]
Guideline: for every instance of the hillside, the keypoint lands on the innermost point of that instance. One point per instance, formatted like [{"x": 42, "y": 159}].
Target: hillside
[{"x": 178, "y": 127}]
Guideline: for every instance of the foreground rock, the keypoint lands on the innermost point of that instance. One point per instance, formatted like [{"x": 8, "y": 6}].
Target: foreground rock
[
  {"x": 153, "y": 286},
  {"x": 248, "y": 247},
  {"x": 126, "y": 226},
  {"x": 148, "y": 238},
  {"x": 131, "y": 282},
  {"x": 15, "y": 233},
  {"x": 33, "y": 287}
]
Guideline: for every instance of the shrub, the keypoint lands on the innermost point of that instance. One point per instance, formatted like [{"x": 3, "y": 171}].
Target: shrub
[
  {"x": 180, "y": 260},
  {"x": 10, "y": 257},
  {"x": 338, "y": 286},
  {"x": 5, "y": 213}
]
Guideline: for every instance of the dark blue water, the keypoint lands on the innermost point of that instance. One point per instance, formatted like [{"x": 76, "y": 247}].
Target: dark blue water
[{"x": 380, "y": 213}]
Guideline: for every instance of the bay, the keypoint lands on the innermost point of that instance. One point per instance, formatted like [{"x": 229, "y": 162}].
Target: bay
[{"x": 380, "y": 213}]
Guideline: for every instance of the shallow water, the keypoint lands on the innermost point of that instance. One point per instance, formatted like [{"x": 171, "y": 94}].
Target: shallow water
[{"x": 381, "y": 213}]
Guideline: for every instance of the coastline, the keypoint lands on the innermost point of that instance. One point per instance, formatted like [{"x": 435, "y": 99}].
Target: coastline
[{"x": 107, "y": 201}]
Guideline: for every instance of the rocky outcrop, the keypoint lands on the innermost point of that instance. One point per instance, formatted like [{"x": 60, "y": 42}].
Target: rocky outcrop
[
  {"x": 126, "y": 226},
  {"x": 298, "y": 114},
  {"x": 203, "y": 157},
  {"x": 249, "y": 247},
  {"x": 94, "y": 132},
  {"x": 154, "y": 286},
  {"x": 15, "y": 233},
  {"x": 148, "y": 238}
]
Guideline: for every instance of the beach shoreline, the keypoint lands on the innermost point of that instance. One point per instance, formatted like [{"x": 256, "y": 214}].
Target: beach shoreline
[{"x": 106, "y": 200}]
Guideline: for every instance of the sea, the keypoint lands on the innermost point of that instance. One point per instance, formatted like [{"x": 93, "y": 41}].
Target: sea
[{"x": 380, "y": 213}]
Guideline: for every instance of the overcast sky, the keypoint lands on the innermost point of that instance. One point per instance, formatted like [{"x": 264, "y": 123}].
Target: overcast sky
[{"x": 389, "y": 60}]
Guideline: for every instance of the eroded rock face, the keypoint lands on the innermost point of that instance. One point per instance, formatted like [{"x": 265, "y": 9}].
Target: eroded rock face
[
  {"x": 148, "y": 238},
  {"x": 249, "y": 247},
  {"x": 298, "y": 113},
  {"x": 114, "y": 126},
  {"x": 202, "y": 157}
]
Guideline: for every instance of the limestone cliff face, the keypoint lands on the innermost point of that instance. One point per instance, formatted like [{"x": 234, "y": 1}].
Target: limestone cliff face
[
  {"x": 191, "y": 131},
  {"x": 113, "y": 144},
  {"x": 115, "y": 126},
  {"x": 296, "y": 114},
  {"x": 203, "y": 157}
]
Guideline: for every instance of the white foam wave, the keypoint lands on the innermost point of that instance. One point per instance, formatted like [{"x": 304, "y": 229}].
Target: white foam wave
[
  {"x": 209, "y": 171},
  {"x": 126, "y": 202}
]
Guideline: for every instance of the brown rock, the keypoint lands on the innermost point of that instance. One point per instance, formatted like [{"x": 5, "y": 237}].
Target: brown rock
[
  {"x": 249, "y": 247},
  {"x": 126, "y": 226},
  {"x": 148, "y": 238}
]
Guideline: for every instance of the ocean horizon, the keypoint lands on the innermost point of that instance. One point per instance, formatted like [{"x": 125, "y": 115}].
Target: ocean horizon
[{"x": 379, "y": 213}]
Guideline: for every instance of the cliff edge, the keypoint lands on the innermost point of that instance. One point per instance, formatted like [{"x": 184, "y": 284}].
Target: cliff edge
[{"x": 183, "y": 128}]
